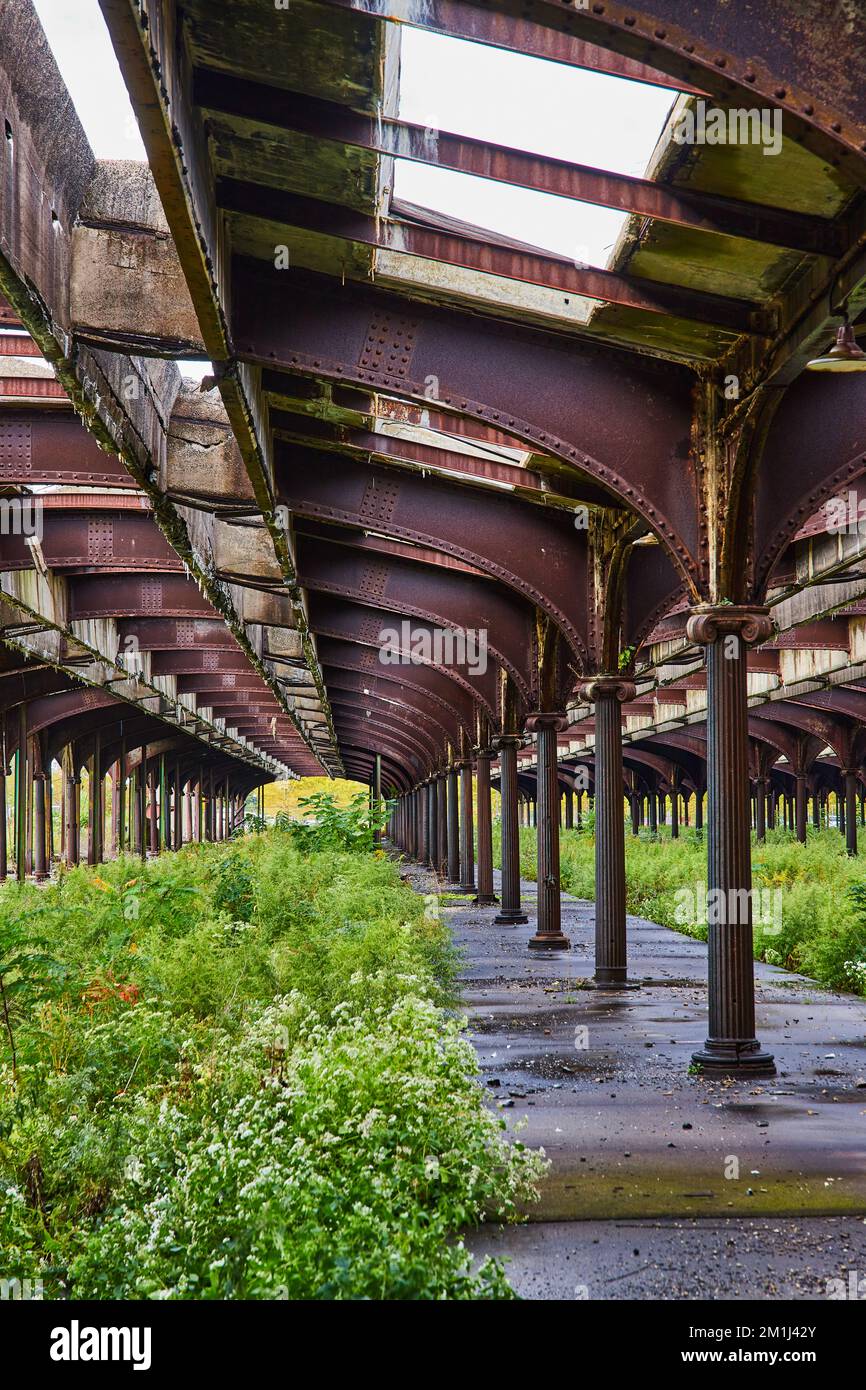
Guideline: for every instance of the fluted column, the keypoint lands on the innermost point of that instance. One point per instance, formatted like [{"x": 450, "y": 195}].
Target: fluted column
[
  {"x": 485, "y": 896},
  {"x": 442, "y": 825},
  {"x": 851, "y": 811},
  {"x": 510, "y": 913},
  {"x": 548, "y": 926},
  {"x": 432, "y": 824},
  {"x": 608, "y": 693},
  {"x": 40, "y": 870},
  {"x": 800, "y": 801},
  {"x": 731, "y": 1045},
  {"x": 141, "y": 803},
  {"x": 427, "y": 846},
  {"x": 96, "y": 806},
  {"x": 4, "y": 849},
  {"x": 377, "y": 792},
  {"x": 453, "y": 826},
  {"x": 21, "y": 772},
  {"x": 467, "y": 830},
  {"x": 72, "y": 811},
  {"x": 761, "y": 809},
  {"x": 153, "y": 775},
  {"x": 178, "y": 809}
]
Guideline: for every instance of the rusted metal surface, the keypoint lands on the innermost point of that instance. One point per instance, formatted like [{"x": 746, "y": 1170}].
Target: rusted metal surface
[
  {"x": 473, "y": 253},
  {"x": 624, "y": 422},
  {"x": 218, "y": 92}
]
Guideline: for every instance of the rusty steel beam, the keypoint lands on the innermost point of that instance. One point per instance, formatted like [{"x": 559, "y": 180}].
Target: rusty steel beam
[
  {"x": 622, "y": 420},
  {"x": 17, "y": 345},
  {"x": 386, "y": 136},
  {"x": 357, "y": 539},
  {"x": 155, "y": 634},
  {"x": 98, "y": 539},
  {"x": 128, "y": 595},
  {"x": 499, "y": 622},
  {"x": 815, "y": 449},
  {"x": 388, "y": 720},
  {"x": 364, "y": 625},
  {"x": 282, "y": 209},
  {"x": 50, "y": 446},
  {"x": 360, "y": 763},
  {"x": 204, "y": 684},
  {"x": 532, "y": 482},
  {"x": 541, "y": 555},
  {"x": 373, "y": 692},
  {"x": 399, "y": 682},
  {"x": 403, "y": 748},
  {"x": 190, "y": 662}
]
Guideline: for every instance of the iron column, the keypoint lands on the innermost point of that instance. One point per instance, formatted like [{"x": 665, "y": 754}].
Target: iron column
[
  {"x": 548, "y": 926},
  {"x": 510, "y": 914},
  {"x": 485, "y": 896},
  {"x": 608, "y": 693},
  {"x": 731, "y": 1045}
]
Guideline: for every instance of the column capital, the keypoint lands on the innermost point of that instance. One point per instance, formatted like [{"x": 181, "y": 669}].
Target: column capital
[
  {"x": 599, "y": 686},
  {"x": 484, "y": 751},
  {"x": 750, "y": 622},
  {"x": 501, "y": 741},
  {"x": 546, "y": 719}
]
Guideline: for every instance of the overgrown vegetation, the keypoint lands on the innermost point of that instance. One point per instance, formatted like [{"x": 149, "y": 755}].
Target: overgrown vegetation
[
  {"x": 821, "y": 927},
  {"x": 325, "y": 824},
  {"x": 234, "y": 1072}
]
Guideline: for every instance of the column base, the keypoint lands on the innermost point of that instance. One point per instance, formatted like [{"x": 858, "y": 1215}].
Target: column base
[
  {"x": 733, "y": 1059},
  {"x": 604, "y": 981},
  {"x": 510, "y": 917},
  {"x": 485, "y": 900},
  {"x": 552, "y": 942},
  {"x": 467, "y": 888}
]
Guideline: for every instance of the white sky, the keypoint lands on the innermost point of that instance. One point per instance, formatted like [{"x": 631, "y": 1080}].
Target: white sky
[
  {"x": 530, "y": 104},
  {"x": 504, "y": 97}
]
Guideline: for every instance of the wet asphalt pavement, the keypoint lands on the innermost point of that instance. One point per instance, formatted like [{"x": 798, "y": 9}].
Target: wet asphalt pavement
[{"x": 665, "y": 1185}]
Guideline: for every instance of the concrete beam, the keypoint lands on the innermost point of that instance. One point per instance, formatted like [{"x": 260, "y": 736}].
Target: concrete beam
[{"x": 127, "y": 287}]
